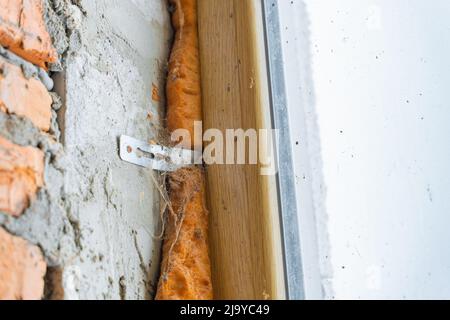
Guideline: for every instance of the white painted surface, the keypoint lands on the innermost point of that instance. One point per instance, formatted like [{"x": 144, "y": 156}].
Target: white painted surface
[{"x": 368, "y": 93}]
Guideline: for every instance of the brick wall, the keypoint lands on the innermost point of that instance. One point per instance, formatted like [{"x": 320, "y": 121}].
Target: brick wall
[
  {"x": 69, "y": 206},
  {"x": 24, "y": 37}
]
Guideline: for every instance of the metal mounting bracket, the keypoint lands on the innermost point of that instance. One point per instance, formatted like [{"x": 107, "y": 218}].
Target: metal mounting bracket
[{"x": 156, "y": 157}]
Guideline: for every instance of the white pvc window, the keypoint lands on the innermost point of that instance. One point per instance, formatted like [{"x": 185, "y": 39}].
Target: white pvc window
[{"x": 369, "y": 104}]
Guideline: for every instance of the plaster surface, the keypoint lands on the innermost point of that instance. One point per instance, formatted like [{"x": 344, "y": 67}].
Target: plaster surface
[{"x": 114, "y": 205}]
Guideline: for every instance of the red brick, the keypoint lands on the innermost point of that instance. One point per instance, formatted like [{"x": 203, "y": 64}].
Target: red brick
[
  {"x": 22, "y": 269},
  {"x": 23, "y": 31},
  {"x": 24, "y": 97},
  {"x": 21, "y": 174}
]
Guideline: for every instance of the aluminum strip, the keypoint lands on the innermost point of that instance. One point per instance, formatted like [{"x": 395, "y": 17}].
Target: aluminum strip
[{"x": 285, "y": 175}]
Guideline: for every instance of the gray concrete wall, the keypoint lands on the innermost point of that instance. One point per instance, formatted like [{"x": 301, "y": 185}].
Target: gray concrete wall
[{"x": 113, "y": 205}]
